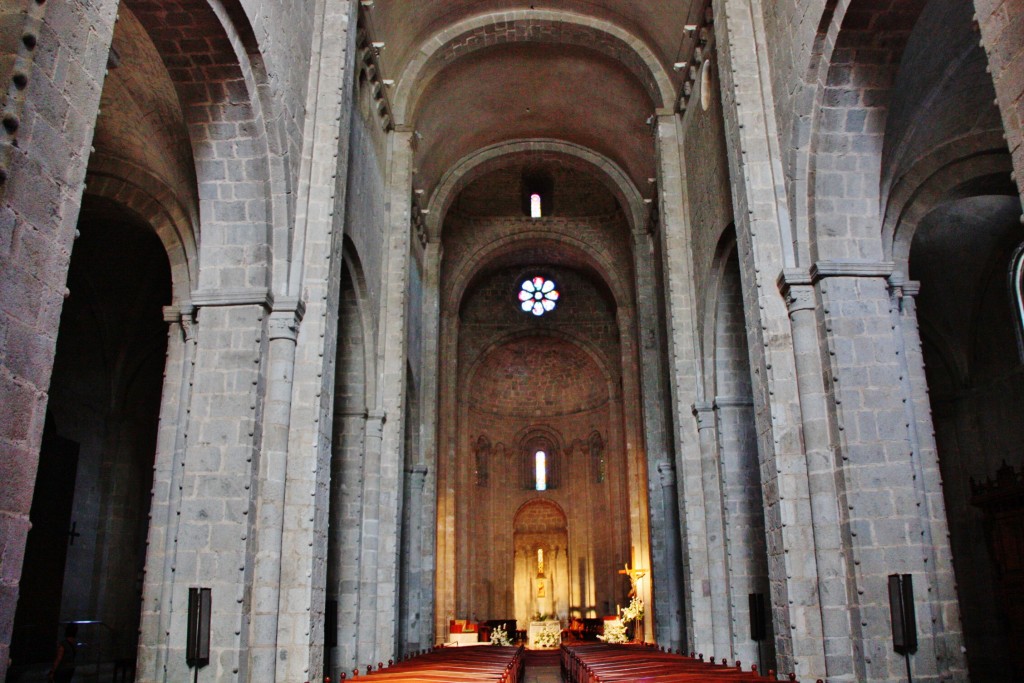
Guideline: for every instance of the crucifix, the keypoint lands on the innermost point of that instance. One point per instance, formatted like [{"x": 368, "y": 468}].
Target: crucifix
[
  {"x": 73, "y": 534},
  {"x": 634, "y": 577}
]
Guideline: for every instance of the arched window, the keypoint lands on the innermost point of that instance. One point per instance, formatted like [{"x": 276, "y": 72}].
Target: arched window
[
  {"x": 535, "y": 205},
  {"x": 539, "y": 455},
  {"x": 540, "y": 459}
]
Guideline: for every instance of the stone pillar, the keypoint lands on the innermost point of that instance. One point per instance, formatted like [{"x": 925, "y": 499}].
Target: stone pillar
[
  {"x": 765, "y": 245},
  {"x": 415, "y": 528},
  {"x": 347, "y": 465},
  {"x": 717, "y": 570},
  {"x": 680, "y": 309},
  {"x": 742, "y": 519},
  {"x": 165, "y": 507},
  {"x": 216, "y": 541},
  {"x": 301, "y": 499},
  {"x": 638, "y": 464},
  {"x": 40, "y": 194},
  {"x": 664, "y": 521},
  {"x": 1001, "y": 23},
  {"x": 670, "y": 590},
  {"x": 282, "y": 332},
  {"x": 420, "y": 598},
  {"x": 829, "y": 520},
  {"x": 945, "y": 627},
  {"x": 382, "y": 503},
  {"x": 883, "y": 481}
]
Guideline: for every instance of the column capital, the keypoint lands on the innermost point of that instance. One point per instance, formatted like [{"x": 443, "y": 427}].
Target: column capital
[
  {"x": 183, "y": 315},
  {"x": 666, "y": 473},
  {"x": 285, "y": 317},
  {"x": 902, "y": 287},
  {"x": 705, "y": 414},
  {"x": 797, "y": 288},
  {"x": 375, "y": 420}
]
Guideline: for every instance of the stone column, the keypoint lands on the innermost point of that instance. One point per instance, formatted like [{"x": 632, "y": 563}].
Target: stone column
[
  {"x": 348, "y": 453},
  {"x": 1001, "y": 23},
  {"x": 838, "y": 605},
  {"x": 664, "y": 514},
  {"x": 415, "y": 530},
  {"x": 165, "y": 508},
  {"x": 382, "y": 503},
  {"x": 670, "y": 589},
  {"x": 638, "y": 463},
  {"x": 742, "y": 519},
  {"x": 765, "y": 245},
  {"x": 301, "y": 499},
  {"x": 282, "y": 332},
  {"x": 421, "y": 592},
  {"x": 40, "y": 194},
  {"x": 680, "y": 309},
  {"x": 945, "y": 627},
  {"x": 717, "y": 577},
  {"x": 216, "y": 542},
  {"x": 882, "y": 479}
]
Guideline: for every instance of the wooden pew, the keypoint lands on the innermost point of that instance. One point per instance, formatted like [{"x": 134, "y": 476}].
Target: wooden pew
[
  {"x": 482, "y": 664},
  {"x": 604, "y": 663}
]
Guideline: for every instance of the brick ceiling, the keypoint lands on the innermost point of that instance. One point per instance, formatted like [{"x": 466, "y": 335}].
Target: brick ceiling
[{"x": 473, "y": 73}]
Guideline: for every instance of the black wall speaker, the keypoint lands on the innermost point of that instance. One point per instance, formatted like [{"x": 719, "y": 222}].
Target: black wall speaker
[
  {"x": 757, "y": 617},
  {"x": 902, "y": 615},
  {"x": 197, "y": 650},
  {"x": 331, "y": 624}
]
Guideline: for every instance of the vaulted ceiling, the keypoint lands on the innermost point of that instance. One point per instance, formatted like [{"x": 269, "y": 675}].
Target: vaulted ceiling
[{"x": 471, "y": 74}]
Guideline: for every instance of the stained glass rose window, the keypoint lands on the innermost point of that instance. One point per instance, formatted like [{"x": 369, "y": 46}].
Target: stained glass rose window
[{"x": 538, "y": 295}]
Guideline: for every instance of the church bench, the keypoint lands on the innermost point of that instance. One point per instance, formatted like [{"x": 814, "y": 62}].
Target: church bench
[
  {"x": 478, "y": 664},
  {"x": 605, "y": 663}
]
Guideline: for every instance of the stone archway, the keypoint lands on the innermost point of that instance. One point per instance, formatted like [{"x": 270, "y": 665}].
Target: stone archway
[{"x": 540, "y": 549}]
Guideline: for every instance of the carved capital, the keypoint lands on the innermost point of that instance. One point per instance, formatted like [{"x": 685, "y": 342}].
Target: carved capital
[
  {"x": 184, "y": 316},
  {"x": 797, "y": 289},
  {"x": 705, "y": 414},
  {"x": 285, "y": 318},
  {"x": 375, "y": 420}
]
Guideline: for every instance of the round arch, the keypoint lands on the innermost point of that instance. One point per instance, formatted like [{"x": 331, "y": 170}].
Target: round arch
[
  {"x": 490, "y": 158},
  {"x": 614, "y": 41},
  {"x": 149, "y": 198}
]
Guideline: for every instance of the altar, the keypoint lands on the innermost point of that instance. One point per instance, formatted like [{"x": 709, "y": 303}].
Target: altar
[{"x": 539, "y": 627}]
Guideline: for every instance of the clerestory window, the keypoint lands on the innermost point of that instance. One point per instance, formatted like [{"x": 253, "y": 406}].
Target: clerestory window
[{"x": 537, "y": 295}]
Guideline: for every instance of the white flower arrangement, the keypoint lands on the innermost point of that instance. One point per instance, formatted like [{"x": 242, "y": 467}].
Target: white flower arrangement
[
  {"x": 500, "y": 637},
  {"x": 633, "y": 611},
  {"x": 549, "y": 638},
  {"x": 614, "y": 632}
]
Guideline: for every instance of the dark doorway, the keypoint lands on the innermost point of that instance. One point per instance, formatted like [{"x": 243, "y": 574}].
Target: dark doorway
[{"x": 36, "y": 621}]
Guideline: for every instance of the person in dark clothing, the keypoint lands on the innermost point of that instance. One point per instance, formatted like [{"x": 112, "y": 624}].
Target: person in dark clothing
[{"x": 64, "y": 663}]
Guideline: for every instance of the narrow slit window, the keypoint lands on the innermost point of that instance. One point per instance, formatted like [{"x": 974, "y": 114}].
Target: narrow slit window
[
  {"x": 535, "y": 211},
  {"x": 541, "y": 463}
]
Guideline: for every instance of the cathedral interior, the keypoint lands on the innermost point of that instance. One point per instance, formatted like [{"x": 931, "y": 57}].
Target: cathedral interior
[{"x": 376, "y": 316}]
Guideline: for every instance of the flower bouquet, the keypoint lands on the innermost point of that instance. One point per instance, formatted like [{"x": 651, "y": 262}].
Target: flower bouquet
[{"x": 500, "y": 637}]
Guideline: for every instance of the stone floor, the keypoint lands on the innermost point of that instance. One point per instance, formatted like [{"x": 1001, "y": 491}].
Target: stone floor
[{"x": 542, "y": 667}]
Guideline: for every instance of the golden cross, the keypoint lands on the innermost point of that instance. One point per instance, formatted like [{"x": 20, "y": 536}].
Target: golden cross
[{"x": 634, "y": 576}]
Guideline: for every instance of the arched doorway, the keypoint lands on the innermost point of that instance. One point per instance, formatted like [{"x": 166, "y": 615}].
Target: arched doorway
[
  {"x": 92, "y": 492},
  {"x": 540, "y": 539}
]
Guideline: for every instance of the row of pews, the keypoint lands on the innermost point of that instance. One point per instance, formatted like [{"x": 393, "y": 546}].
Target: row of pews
[
  {"x": 603, "y": 663},
  {"x": 486, "y": 664}
]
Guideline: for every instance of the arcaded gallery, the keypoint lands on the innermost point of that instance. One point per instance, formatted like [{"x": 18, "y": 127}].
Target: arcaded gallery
[{"x": 511, "y": 341}]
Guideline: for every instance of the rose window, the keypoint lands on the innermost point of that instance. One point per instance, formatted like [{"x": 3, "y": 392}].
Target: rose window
[{"x": 538, "y": 295}]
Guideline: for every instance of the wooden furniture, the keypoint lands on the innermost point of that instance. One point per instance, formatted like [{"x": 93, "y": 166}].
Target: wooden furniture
[
  {"x": 602, "y": 663},
  {"x": 1002, "y": 501},
  {"x": 476, "y": 664}
]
